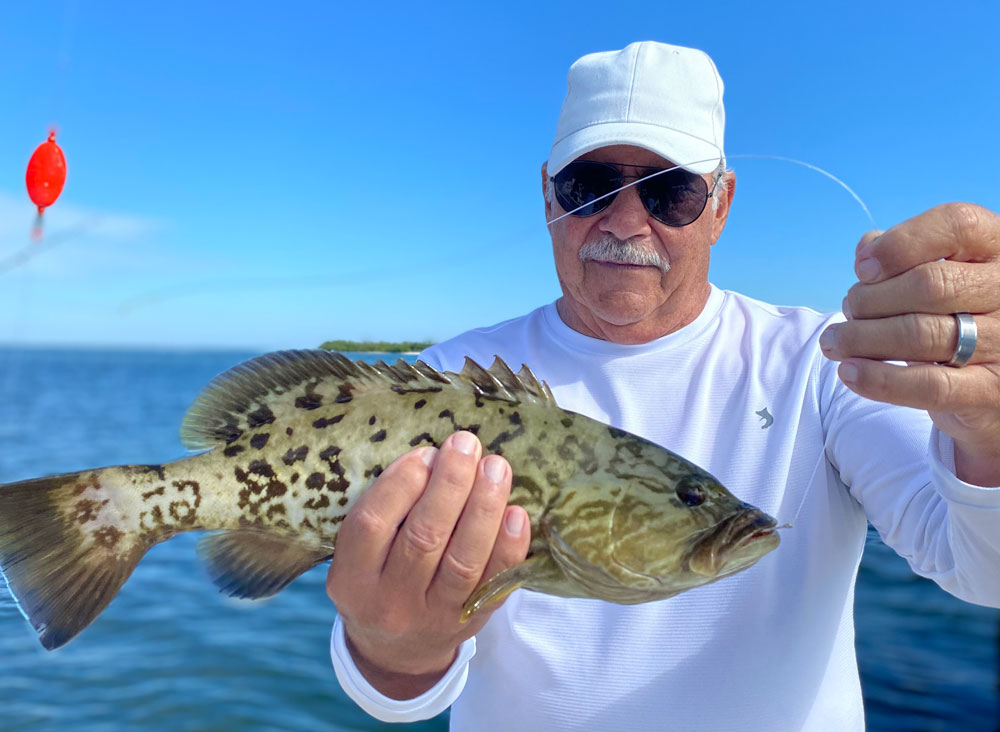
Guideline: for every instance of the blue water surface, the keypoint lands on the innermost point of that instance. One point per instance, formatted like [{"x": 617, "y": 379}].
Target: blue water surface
[{"x": 171, "y": 653}]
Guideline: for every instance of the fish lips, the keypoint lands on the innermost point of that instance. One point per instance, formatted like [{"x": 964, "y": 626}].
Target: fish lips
[{"x": 734, "y": 544}]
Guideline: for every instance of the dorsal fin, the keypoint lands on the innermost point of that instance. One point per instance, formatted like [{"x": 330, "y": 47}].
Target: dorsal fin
[
  {"x": 538, "y": 389},
  {"x": 500, "y": 382},
  {"x": 253, "y": 393},
  {"x": 484, "y": 381},
  {"x": 282, "y": 384},
  {"x": 501, "y": 371}
]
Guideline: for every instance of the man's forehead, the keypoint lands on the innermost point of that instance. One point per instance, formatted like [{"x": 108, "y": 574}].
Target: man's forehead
[{"x": 629, "y": 155}]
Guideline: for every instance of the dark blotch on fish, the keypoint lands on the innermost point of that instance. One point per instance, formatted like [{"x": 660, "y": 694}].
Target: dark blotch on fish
[
  {"x": 330, "y": 454},
  {"x": 108, "y": 536},
  {"x": 320, "y": 501},
  {"x": 262, "y": 468},
  {"x": 309, "y": 401},
  {"x": 87, "y": 510},
  {"x": 324, "y": 422},
  {"x": 421, "y": 438},
  {"x": 158, "y": 469},
  {"x": 294, "y": 456},
  {"x": 261, "y": 417}
]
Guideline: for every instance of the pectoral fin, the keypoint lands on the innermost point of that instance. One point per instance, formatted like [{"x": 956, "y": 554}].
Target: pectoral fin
[{"x": 499, "y": 586}]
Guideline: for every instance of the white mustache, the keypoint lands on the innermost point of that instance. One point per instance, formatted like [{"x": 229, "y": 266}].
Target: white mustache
[{"x": 610, "y": 248}]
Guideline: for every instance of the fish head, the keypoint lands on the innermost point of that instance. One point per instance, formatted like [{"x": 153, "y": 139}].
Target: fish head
[
  {"x": 682, "y": 531},
  {"x": 654, "y": 536},
  {"x": 643, "y": 523}
]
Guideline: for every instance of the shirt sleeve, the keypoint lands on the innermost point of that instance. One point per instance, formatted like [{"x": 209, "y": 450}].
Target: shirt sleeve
[
  {"x": 429, "y": 704},
  {"x": 900, "y": 468}
]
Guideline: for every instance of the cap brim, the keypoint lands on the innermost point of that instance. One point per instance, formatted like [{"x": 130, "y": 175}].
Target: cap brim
[{"x": 691, "y": 153}]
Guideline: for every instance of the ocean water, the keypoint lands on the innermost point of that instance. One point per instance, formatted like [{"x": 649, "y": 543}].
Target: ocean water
[{"x": 172, "y": 654}]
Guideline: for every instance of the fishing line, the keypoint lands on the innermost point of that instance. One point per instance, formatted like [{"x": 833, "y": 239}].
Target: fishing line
[
  {"x": 28, "y": 252},
  {"x": 821, "y": 461},
  {"x": 749, "y": 156},
  {"x": 142, "y": 300},
  {"x": 758, "y": 156},
  {"x": 13, "y": 360}
]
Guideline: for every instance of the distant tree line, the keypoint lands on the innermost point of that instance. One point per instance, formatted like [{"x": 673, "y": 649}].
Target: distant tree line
[{"x": 379, "y": 346}]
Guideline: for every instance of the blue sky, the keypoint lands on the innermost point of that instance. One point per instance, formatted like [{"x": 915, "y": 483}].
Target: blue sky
[{"x": 270, "y": 175}]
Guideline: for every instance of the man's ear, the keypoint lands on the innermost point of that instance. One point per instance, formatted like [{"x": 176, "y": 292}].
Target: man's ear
[
  {"x": 545, "y": 187},
  {"x": 721, "y": 214}
]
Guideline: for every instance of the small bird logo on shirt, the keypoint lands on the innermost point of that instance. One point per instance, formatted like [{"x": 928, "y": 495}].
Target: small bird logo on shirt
[{"x": 766, "y": 416}]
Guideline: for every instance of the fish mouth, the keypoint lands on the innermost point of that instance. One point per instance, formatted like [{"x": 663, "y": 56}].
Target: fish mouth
[{"x": 734, "y": 544}]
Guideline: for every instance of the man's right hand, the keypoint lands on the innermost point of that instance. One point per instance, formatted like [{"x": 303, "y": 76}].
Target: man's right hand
[{"x": 431, "y": 529}]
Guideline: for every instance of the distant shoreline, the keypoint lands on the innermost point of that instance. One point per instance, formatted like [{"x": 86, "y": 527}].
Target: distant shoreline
[{"x": 408, "y": 348}]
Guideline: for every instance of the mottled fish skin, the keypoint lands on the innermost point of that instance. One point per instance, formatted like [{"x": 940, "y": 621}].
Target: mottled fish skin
[{"x": 293, "y": 446}]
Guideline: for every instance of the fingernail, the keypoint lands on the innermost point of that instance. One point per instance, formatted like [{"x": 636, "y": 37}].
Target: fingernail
[
  {"x": 869, "y": 246},
  {"x": 429, "y": 455},
  {"x": 495, "y": 468},
  {"x": 845, "y": 309},
  {"x": 848, "y": 373},
  {"x": 464, "y": 442},
  {"x": 514, "y": 522},
  {"x": 828, "y": 339},
  {"x": 868, "y": 270}
]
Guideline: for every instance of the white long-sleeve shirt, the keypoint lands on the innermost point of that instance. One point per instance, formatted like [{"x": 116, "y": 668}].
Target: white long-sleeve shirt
[{"x": 770, "y": 648}]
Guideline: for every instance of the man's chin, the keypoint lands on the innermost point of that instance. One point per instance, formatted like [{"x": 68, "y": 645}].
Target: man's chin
[{"x": 623, "y": 309}]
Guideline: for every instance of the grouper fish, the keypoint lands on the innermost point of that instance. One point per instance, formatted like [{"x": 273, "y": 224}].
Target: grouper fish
[{"x": 291, "y": 439}]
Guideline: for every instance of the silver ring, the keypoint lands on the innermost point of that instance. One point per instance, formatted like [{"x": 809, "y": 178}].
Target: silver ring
[{"x": 966, "y": 344}]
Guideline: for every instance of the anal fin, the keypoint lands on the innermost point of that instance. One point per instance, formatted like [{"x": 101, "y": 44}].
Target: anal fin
[{"x": 254, "y": 564}]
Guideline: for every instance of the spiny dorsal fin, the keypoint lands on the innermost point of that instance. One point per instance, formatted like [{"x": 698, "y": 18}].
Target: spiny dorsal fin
[
  {"x": 282, "y": 384},
  {"x": 500, "y": 382},
  {"x": 422, "y": 370},
  {"x": 484, "y": 381},
  {"x": 538, "y": 389},
  {"x": 502, "y": 373}
]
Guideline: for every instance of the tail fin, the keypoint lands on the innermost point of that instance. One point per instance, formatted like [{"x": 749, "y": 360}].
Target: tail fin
[{"x": 65, "y": 551}]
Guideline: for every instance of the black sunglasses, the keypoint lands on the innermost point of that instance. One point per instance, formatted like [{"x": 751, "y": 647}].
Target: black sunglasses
[{"x": 675, "y": 197}]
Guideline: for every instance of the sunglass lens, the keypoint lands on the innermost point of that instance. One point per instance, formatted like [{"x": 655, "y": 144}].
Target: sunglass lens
[
  {"x": 675, "y": 197},
  {"x": 581, "y": 183}
]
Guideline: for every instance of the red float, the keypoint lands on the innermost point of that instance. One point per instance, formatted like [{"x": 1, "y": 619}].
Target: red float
[{"x": 46, "y": 176}]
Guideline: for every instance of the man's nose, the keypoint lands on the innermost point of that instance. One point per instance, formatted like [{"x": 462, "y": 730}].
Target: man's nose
[{"x": 626, "y": 216}]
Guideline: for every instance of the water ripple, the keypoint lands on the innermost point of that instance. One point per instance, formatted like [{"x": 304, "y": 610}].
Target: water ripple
[{"x": 171, "y": 654}]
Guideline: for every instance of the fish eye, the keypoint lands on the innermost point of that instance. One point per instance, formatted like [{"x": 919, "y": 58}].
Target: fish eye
[{"x": 691, "y": 491}]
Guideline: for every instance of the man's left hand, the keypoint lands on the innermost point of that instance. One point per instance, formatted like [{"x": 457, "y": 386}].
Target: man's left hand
[{"x": 912, "y": 279}]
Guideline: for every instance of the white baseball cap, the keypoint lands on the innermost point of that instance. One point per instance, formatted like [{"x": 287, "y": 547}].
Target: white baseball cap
[{"x": 667, "y": 99}]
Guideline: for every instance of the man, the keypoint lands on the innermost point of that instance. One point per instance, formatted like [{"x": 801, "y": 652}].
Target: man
[{"x": 751, "y": 392}]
